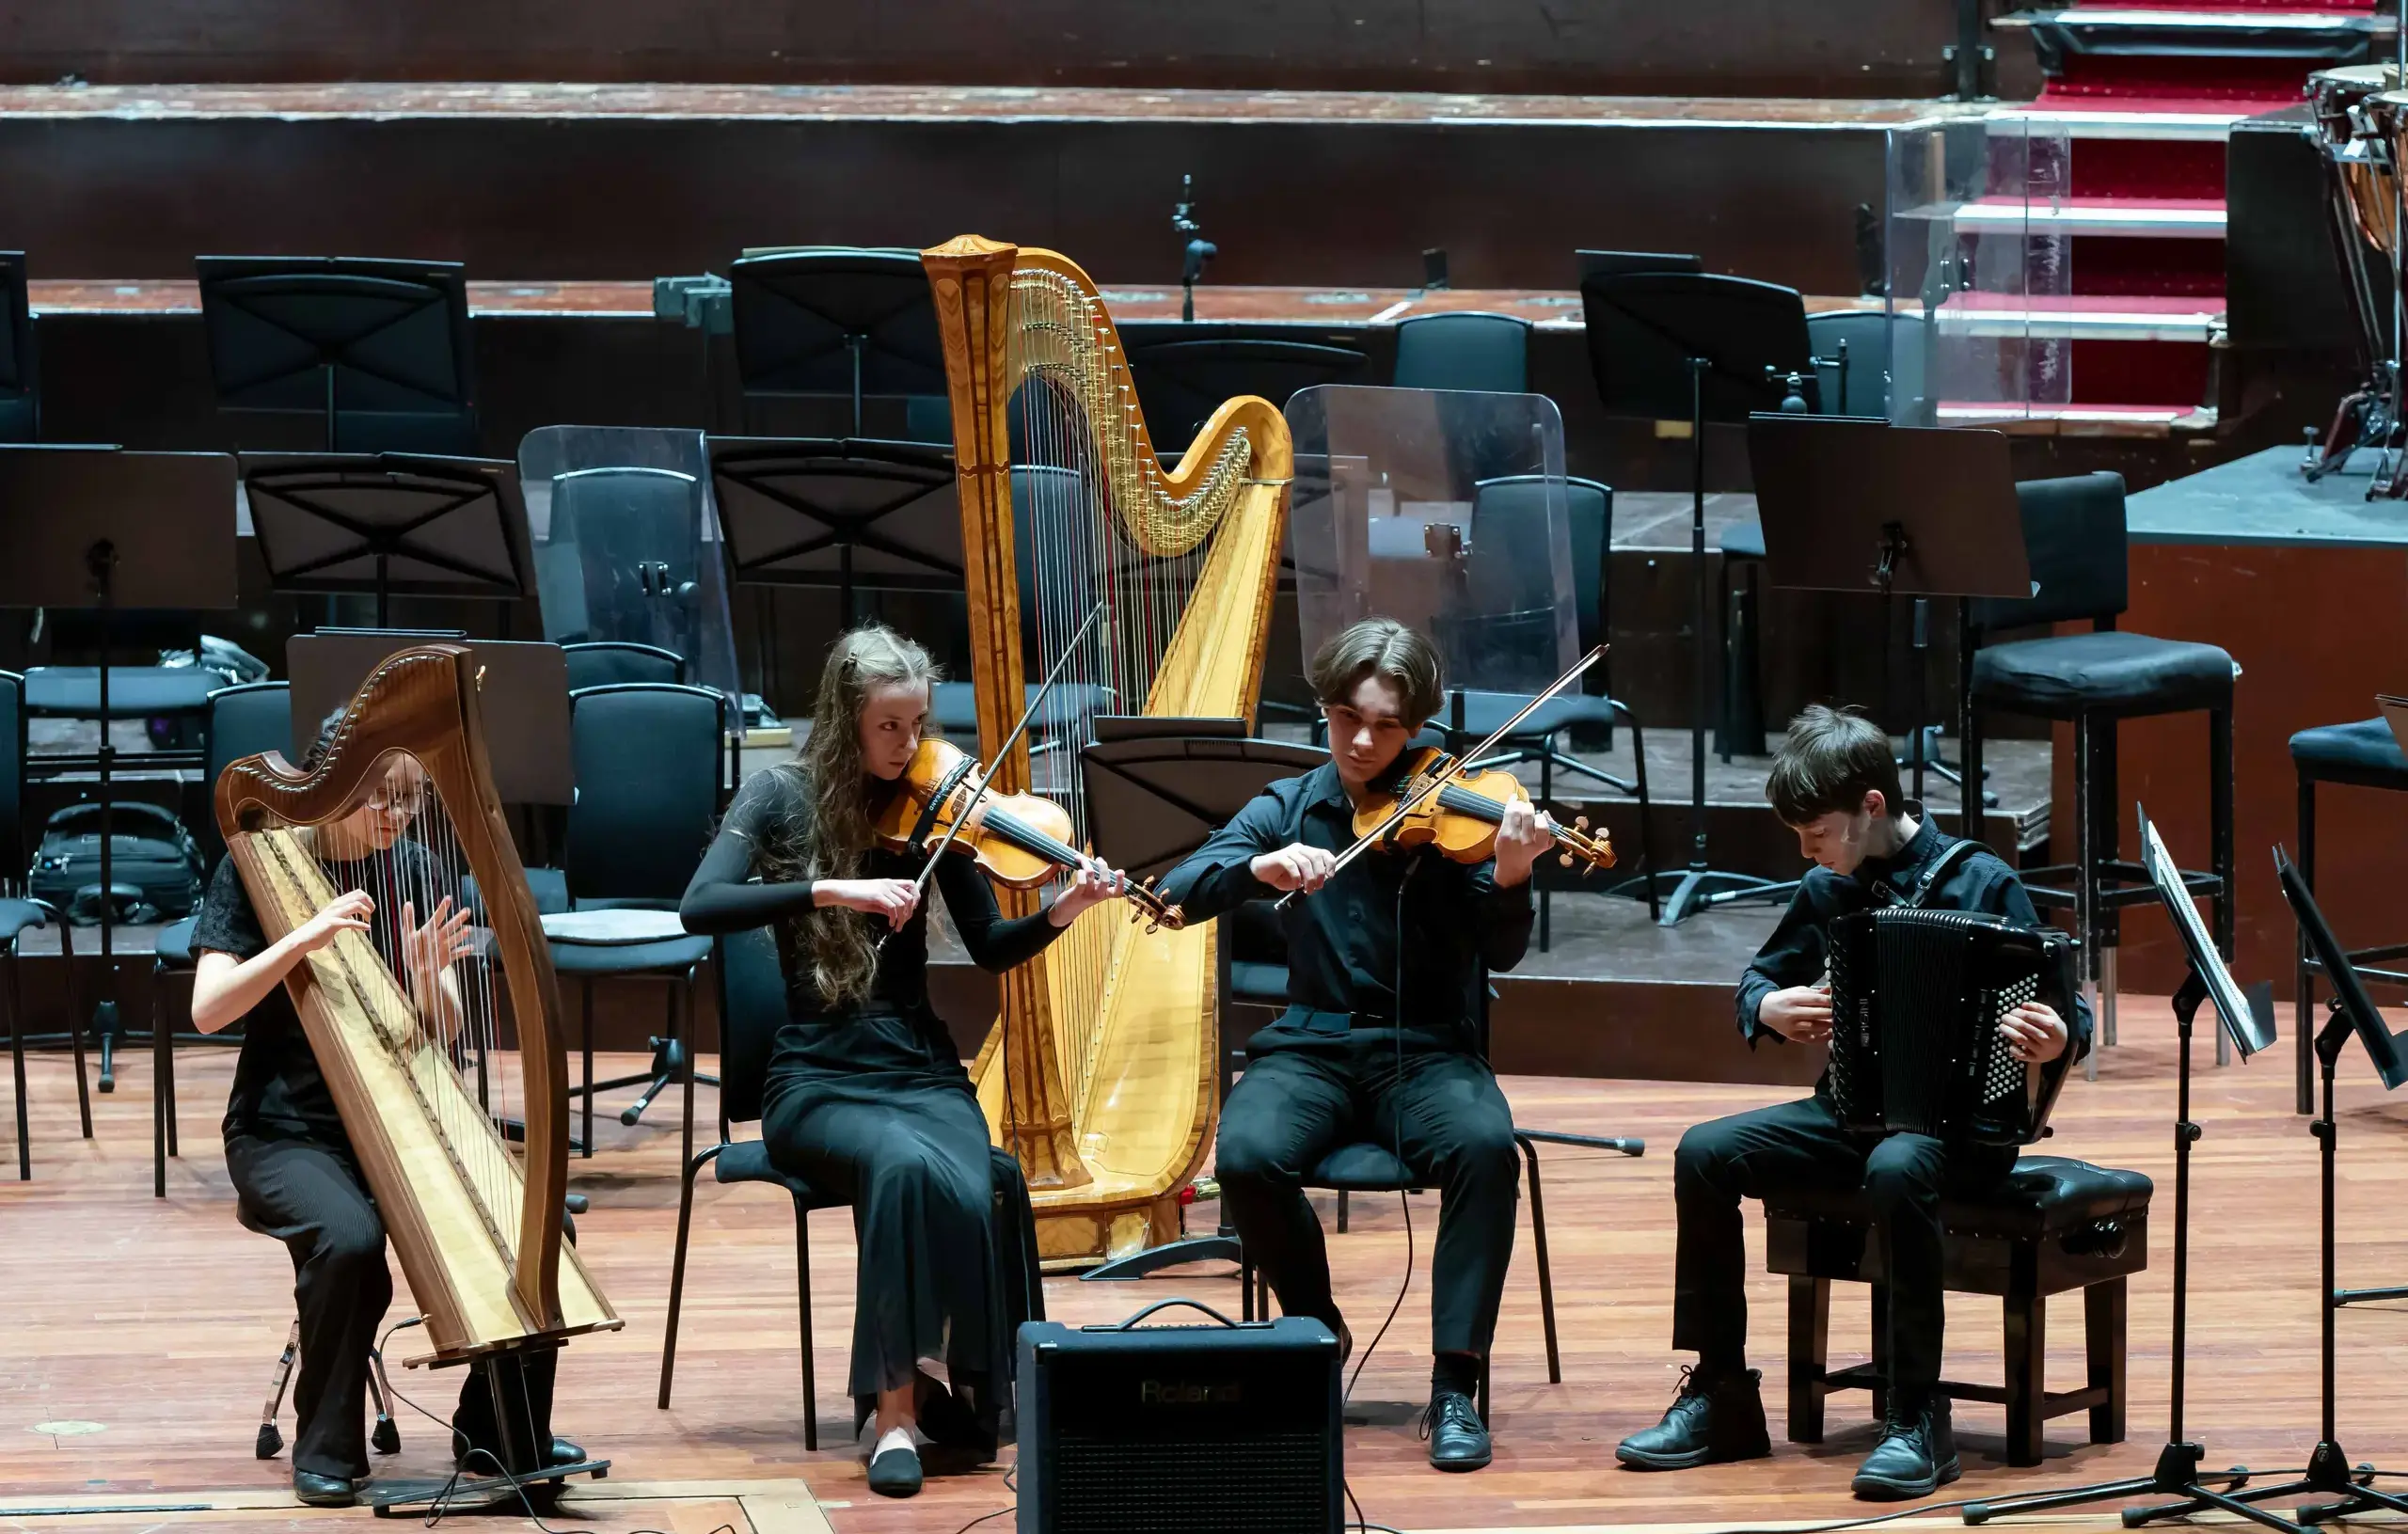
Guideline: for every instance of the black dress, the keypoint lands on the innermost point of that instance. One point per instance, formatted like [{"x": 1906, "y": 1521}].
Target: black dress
[{"x": 869, "y": 1102}]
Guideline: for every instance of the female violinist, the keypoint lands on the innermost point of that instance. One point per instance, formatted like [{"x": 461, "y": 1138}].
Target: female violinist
[{"x": 865, "y": 1096}]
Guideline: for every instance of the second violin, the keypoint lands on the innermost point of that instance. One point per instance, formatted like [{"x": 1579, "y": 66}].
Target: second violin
[
  {"x": 1462, "y": 817},
  {"x": 1019, "y": 840}
]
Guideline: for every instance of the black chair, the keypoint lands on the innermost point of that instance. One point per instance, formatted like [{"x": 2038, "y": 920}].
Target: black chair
[
  {"x": 20, "y": 366},
  {"x": 2052, "y": 1227},
  {"x": 2363, "y": 755},
  {"x": 752, "y": 1009},
  {"x": 17, "y": 912},
  {"x": 2074, "y": 531},
  {"x": 1488, "y": 354},
  {"x": 242, "y": 721},
  {"x": 648, "y": 797},
  {"x": 1367, "y": 1167},
  {"x": 603, "y": 663},
  {"x": 1473, "y": 714}
]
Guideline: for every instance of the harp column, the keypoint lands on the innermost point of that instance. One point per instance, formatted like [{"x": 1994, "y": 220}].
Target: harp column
[{"x": 972, "y": 280}]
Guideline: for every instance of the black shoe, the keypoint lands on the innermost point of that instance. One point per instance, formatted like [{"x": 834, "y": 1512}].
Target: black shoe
[
  {"x": 947, "y": 1420},
  {"x": 896, "y": 1473},
  {"x": 565, "y": 1452},
  {"x": 1458, "y": 1439},
  {"x": 1714, "y": 1419},
  {"x": 1916, "y": 1456},
  {"x": 316, "y": 1491},
  {"x": 482, "y": 1462}
]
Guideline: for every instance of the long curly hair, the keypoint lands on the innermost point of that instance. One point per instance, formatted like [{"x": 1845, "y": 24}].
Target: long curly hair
[{"x": 834, "y": 841}]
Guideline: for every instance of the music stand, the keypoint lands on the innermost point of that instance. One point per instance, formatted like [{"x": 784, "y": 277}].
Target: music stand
[
  {"x": 1182, "y": 371},
  {"x": 2247, "y": 1018},
  {"x": 1618, "y": 262},
  {"x": 1850, "y": 505},
  {"x": 522, "y": 691},
  {"x": 1695, "y": 347},
  {"x": 20, "y": 375},
  {"x": 1156, "y": 790},
  {"x": 337, "y": 524},
  {"x": 343, "y": 337},
  {"x": 837, "y": 514},
  {"x": 103, "y": 529},
  {"x": 836, "y": 320}
]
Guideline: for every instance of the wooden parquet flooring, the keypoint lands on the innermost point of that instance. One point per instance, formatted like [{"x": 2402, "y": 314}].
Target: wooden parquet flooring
[{"x": 140, "y": 1334}]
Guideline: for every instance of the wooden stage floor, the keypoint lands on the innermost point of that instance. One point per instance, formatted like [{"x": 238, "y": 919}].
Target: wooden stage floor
[{"x": 140, "y": 1333}]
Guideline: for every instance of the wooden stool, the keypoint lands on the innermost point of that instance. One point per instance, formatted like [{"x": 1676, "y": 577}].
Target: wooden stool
[{"x": 2053, "y": 1225}]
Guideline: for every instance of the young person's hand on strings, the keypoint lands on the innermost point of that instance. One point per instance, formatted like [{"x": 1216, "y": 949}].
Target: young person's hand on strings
[
  {"x": 1802, "y": 1014},
  {"x": 1094, "y": 883},
  {"x": 432, "y": 947},
  {"x": 1522, "y": 838},
  {"x": 893, "y": 898},
  {"x": 343, "y": 913}
]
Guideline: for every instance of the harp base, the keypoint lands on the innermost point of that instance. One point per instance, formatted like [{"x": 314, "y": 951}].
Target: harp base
[{"x": 1072, "y": 1240}]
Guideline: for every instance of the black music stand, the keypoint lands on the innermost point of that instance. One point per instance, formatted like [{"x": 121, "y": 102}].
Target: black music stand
[
  {"x": 1852, "y": 505},
  {"x": 340, "y": 523},
  {"x": 839, "y": 514},
  {"x": 2248, "y": 1020},
  {"x": 107, "y": 530},
  {"x": 20, "y": 374},
  {"x": 1156, "y": 790},
  {"x": 378, "y": 348},
  {"x": 836, "y": 320},
  {"x": 1694, "y": 346}
]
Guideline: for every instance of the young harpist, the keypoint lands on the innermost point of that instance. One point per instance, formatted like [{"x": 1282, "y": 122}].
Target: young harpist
[
  {"x": 1835, "y": 782},
  {"x": 867, "y": 1098},
  {"x": 294, "y": 1174},
  {"x": 1379, "y": 1042}
]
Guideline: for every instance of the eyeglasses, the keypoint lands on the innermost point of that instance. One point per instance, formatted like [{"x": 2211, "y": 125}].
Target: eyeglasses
[{"x": 407, "y": 800}]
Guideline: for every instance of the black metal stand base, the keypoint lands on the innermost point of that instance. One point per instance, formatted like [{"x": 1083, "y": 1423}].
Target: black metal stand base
[
  {"x": 490, "y": 1494},
  {"x": 2177, "y": 1475},
  {"x": 1695, "y": 888},
  {"x": 1153, "y": 1259}
]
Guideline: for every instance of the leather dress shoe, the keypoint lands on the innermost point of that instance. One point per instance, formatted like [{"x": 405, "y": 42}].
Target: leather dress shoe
[
  {"x": 1916, "y": 1456},
  {"x": 1714, "y": 1419},
  {"x": 896, "y": 1473},
  {"x": 481, "y": 1461},
  {"x": 1458, "y": 1439},
  {"x": 316, "y": 1491}
]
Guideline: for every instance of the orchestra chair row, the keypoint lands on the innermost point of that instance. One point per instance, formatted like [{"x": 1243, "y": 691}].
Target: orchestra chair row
[
  {"x": 2052, "y": 1227},
  {"x": 2365, "y": 756},
  {"x": 19, "y": 913}
]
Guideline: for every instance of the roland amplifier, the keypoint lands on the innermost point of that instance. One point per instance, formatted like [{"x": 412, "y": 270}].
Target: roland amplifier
[{"x": 1180, "y": 1430}]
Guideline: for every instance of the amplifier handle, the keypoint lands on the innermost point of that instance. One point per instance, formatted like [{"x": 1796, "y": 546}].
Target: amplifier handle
[{"x": 1164, "y": 1305}]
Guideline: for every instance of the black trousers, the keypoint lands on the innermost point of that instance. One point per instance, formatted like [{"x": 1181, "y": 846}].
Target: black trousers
[
  {"x": 1798, "y": 1145},
  {"x": 1440, "y": 1107},
  {"x": 311, "y": 1195}
]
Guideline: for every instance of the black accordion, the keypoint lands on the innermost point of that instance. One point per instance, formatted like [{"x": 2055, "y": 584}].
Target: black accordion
[{"x": 1916, "y": 999}]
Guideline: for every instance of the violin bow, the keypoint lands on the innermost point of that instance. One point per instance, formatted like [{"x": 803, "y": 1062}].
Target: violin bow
[
  {"x": 986, "y": 772},
  {"x": 1405, "y": 806}
]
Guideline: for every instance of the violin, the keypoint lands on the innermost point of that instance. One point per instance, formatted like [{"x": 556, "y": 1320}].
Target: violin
[
  {"x": 1018, "y": 840},
  {"x": 1462, "y": 817}
]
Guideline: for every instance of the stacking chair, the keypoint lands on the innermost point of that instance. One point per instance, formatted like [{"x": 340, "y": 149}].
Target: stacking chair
[
  {"x": 242, "y": 721},
  {"x": 2074, "y": 531},
  {"x": 1466, "y": 350},
  {"x": 18, "y": 913},
  {"x": 648, "y": 796},
  {"x": 752, "y": 1009},
  {"x": 1472, "y": 715},
  {"x": 601, "y": 663},
  {"x": 2365, "y": 756}
]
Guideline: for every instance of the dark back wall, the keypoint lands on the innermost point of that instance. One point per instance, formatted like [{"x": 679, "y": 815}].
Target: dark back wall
[{"x": 1714, "y": 47}]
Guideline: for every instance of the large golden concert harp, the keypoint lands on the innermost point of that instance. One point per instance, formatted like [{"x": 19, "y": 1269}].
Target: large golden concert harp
[{"x": 1101, "y": 1074}]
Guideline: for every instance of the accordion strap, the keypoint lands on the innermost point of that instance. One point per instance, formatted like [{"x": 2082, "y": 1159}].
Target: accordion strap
[{"x": 1950, "y": 856}]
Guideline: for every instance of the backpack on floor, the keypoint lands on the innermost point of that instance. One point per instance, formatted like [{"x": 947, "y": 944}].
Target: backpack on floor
[{"x": 153, "y": 863}]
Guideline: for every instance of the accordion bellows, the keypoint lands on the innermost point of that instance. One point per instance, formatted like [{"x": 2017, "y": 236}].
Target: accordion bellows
[{"x": 1916, "y": 999}]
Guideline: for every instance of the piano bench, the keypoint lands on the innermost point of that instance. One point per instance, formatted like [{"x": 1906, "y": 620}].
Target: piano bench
[{"x": 2053, "y": 1225}]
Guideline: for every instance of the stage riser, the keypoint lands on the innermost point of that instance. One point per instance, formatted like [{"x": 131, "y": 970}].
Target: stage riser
[
  {"x": 1730, "y": 47},
  {"x": 627, "y": 198}
]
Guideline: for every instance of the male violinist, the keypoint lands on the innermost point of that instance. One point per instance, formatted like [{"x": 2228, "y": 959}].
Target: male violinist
[{"x": 1387, "y": 958}]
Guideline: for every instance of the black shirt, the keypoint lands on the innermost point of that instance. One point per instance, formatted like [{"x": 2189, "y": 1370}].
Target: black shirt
[
  {"x": 1342, "y": 940},
  {"x": 773, "y": 813},
  {"x": 278, "y": 1086},
  {"x": 1978, "y": 881}
]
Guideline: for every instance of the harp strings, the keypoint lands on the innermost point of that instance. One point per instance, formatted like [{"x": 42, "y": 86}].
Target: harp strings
[{"x": 1101, "y": 526}]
